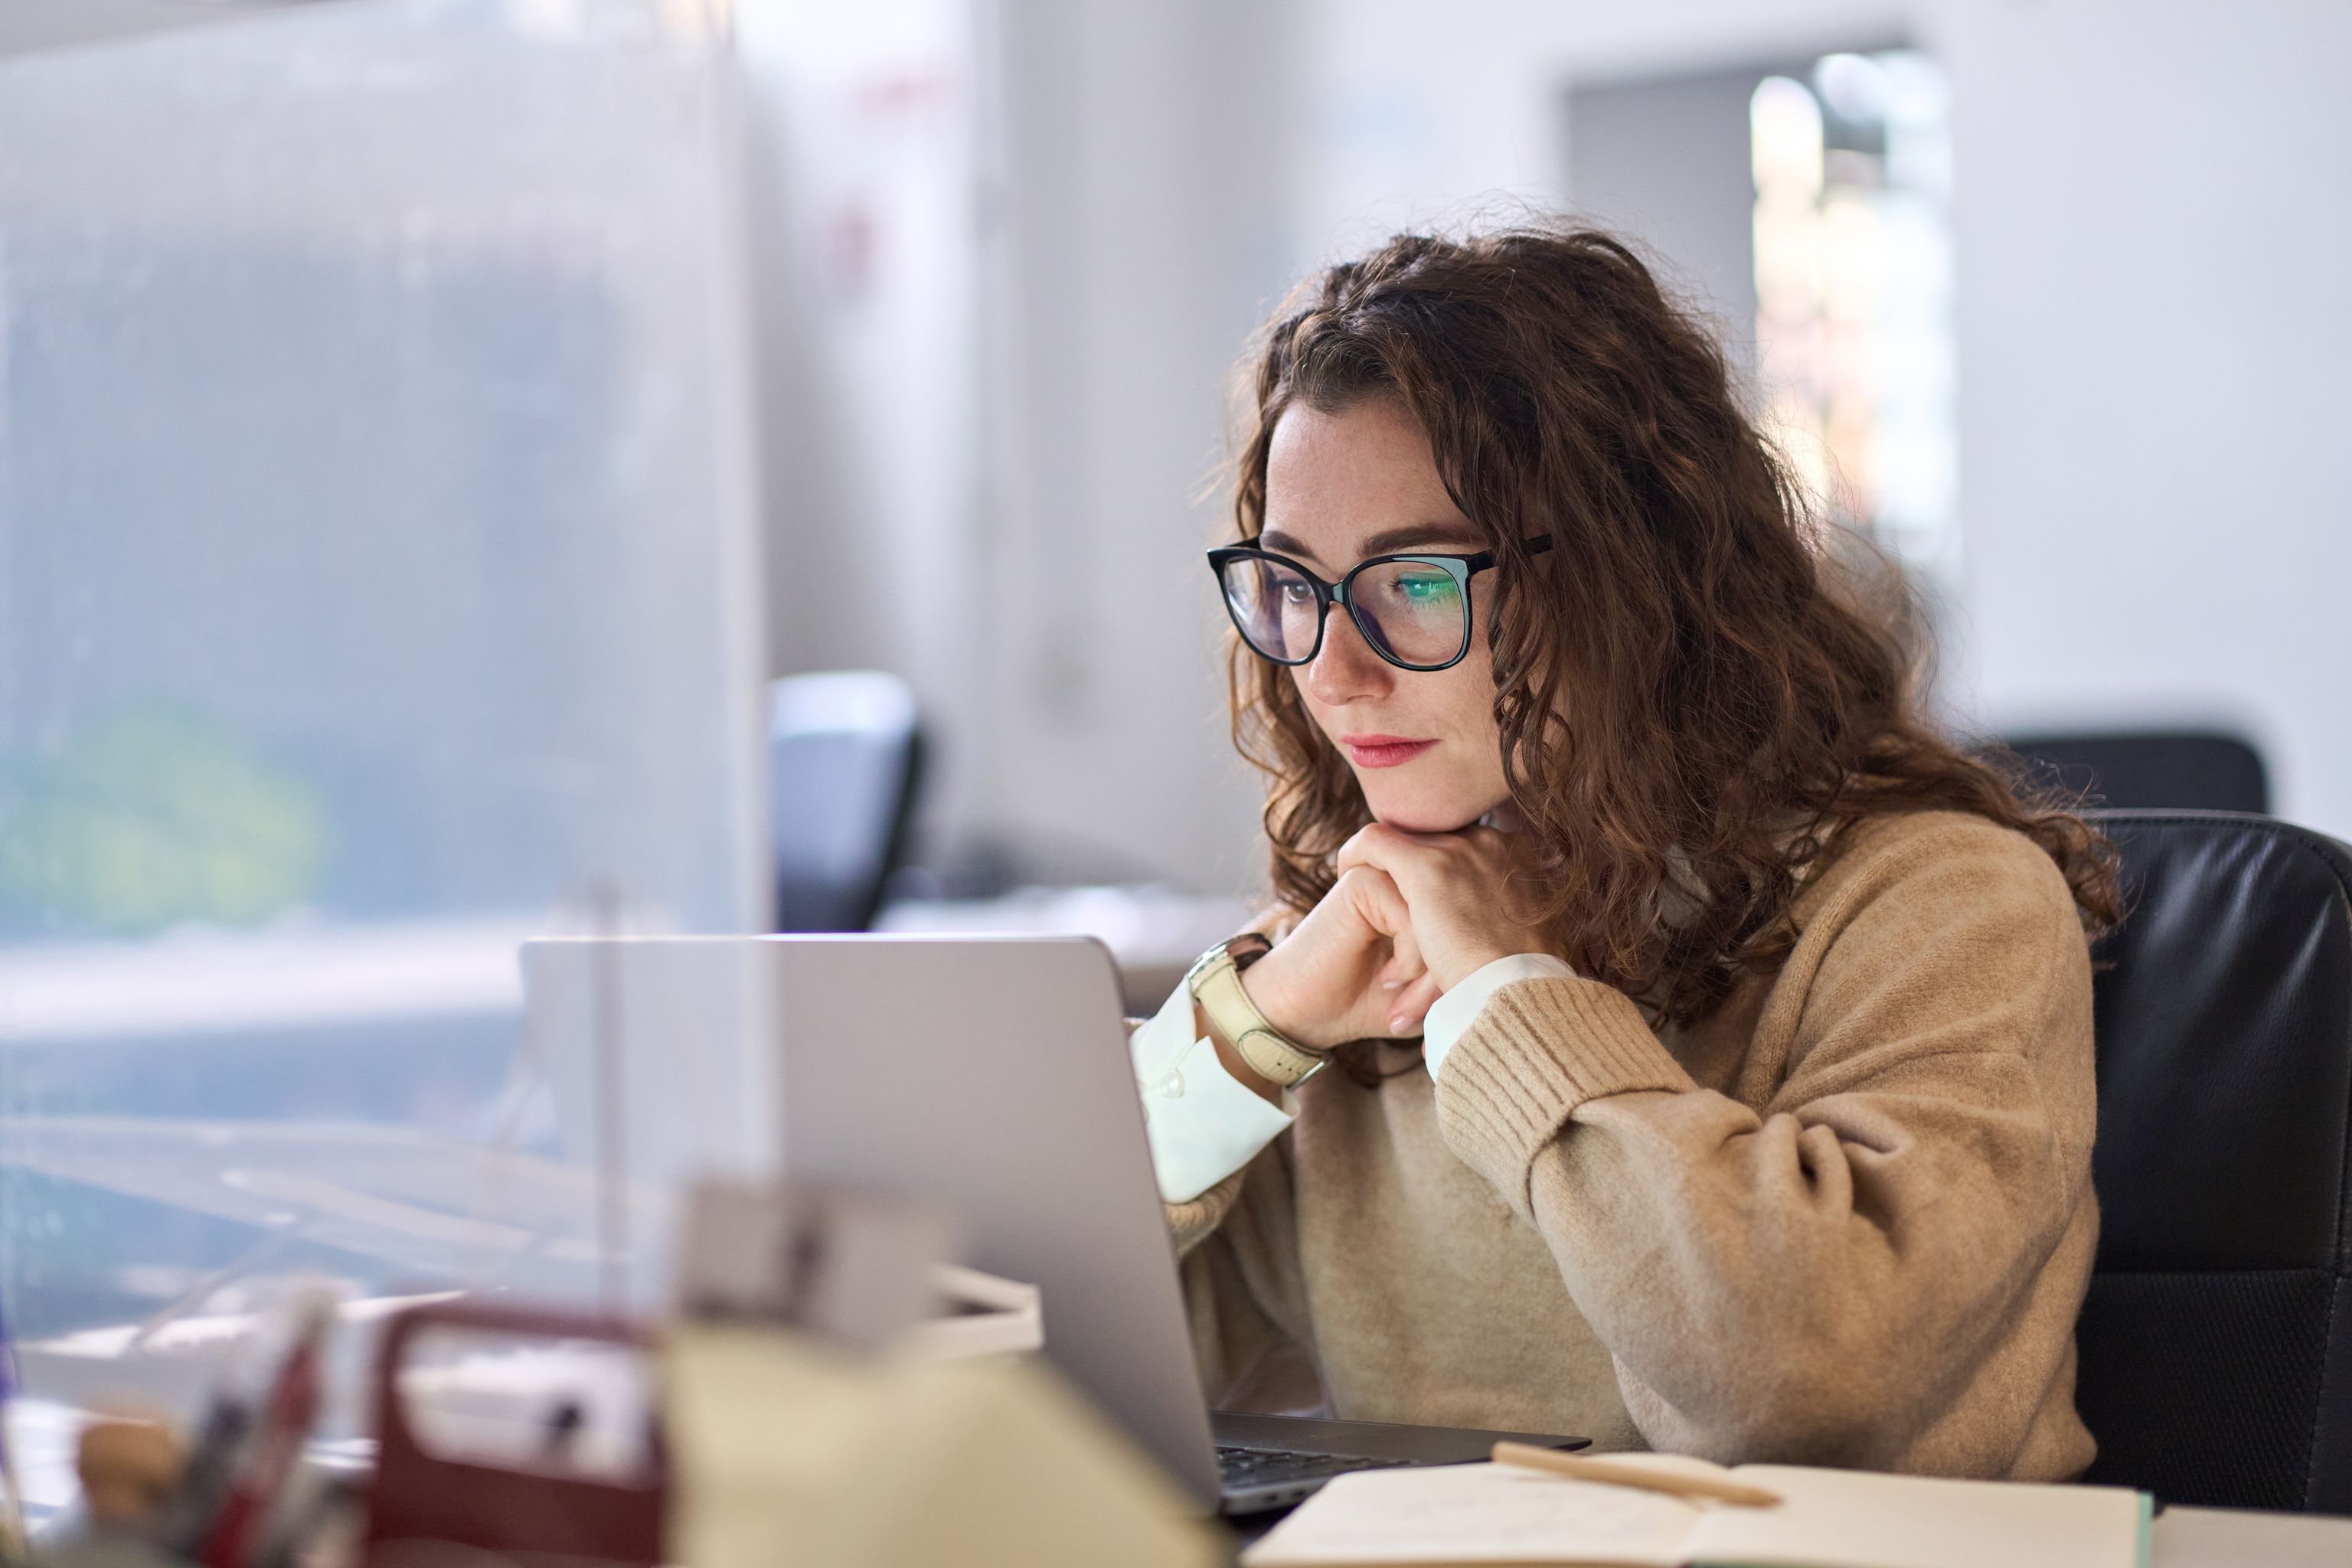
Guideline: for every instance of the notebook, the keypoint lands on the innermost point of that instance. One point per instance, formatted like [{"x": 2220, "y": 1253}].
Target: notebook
[{"x": 1499, "y": 1514}]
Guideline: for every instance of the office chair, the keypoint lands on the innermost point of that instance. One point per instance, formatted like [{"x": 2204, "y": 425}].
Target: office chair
[
  {"x": 2186, "y": 770},
  {"x": 844, "y": 755},
  {"x": 2216, "y": 1343}
]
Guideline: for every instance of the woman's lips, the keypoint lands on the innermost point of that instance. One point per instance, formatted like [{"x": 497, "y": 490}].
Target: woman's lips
[{"x": 1381, "y": 751}]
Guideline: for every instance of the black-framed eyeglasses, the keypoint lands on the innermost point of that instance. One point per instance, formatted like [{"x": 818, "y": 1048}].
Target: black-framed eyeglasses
[{"x": 1413, "y": 609}]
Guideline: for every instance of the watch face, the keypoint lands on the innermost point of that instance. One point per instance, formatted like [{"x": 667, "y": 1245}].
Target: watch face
[{"x": 1248, "y": 948}]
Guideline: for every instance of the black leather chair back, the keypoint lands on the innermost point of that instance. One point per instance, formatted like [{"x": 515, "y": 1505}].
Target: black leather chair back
[
  {"x": 2216, "y": 1342},
  {"x": 2192, "y": 770},
  {"x": 844, "y": 760}
]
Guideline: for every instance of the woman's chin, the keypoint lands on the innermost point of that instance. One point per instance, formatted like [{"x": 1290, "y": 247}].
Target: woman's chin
[{"x": 1427, "y": 816}]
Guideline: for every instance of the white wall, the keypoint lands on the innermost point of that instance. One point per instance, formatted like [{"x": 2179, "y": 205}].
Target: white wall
[
  {"x": 1142, "y": 179},
  {"x": 991, "y": 445},
  {"x": 2153, "y": 211},
  {"x": 864, "y": 168},
  {"x": 2155, "y": 216},
  {"x": 998, "y": 450}
]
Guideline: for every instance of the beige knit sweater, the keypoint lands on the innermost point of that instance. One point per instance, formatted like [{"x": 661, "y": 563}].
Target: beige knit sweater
[{"x": 1846, "y": 1220}]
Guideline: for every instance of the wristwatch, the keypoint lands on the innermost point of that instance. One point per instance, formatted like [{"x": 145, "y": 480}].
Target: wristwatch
[{"x": 1215, "y": 982}]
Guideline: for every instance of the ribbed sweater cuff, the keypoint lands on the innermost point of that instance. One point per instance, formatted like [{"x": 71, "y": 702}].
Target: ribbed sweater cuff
[
  {"x": 1194, "y": 1223},
  {"x": 1539, "y": 1050}
]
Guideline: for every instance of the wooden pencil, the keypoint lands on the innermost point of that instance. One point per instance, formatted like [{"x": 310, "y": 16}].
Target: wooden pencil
[{"x": 1617, "y": 1473}]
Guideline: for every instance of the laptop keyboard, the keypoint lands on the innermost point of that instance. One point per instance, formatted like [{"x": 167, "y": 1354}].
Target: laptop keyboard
[{"x": 1276, "y": 1467}]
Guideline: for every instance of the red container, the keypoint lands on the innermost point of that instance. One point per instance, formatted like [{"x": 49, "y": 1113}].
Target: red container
[{"x": 426, "y": 1511}]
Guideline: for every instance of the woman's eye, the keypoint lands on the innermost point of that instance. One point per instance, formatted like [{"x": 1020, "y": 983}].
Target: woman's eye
[
  {"x": 1296, "y": 593},
  {"x": 1426, "y": 590}
]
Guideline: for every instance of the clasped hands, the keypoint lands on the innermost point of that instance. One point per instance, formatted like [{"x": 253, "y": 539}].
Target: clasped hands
[{"x": 1412, "y": 916}]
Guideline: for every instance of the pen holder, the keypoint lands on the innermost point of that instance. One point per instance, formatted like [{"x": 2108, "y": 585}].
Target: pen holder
[{"x": 423, "y": 1503}]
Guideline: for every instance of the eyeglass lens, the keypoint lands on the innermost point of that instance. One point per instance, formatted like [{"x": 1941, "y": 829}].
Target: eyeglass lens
[{"x": 1412, "y": 612}]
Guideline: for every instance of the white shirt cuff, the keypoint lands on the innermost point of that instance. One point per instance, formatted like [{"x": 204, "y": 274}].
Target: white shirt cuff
[
  {"x": 1203, "y": 1124},
  {"x": 1451, "y": 1015}
]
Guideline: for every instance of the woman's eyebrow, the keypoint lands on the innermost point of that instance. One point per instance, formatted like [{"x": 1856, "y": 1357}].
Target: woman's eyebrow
[
  {"x": 1412, "y": 536},
  {"x": 1421, "y": 535}
]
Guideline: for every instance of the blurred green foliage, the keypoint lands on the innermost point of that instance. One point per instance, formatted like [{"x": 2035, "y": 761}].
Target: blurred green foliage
[{"x": 152, "y": 815}]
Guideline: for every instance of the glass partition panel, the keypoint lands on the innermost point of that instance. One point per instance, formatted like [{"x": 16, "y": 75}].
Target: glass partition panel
[{"x": 377, "y": 590}]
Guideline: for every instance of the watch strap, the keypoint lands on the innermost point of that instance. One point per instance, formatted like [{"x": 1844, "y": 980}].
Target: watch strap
[{"x": 1215, "y": 982}]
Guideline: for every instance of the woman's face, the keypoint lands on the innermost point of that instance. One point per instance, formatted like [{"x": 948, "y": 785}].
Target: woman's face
[{"x": 1361, "y": 482}]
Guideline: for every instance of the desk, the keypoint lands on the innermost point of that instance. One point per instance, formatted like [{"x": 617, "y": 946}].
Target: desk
[
  {"x": 2227, "y": 1538},
  {"x": 2185, "y": 1538}
]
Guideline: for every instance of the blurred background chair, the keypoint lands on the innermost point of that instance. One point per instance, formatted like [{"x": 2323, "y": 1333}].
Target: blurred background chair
[
  {"x": 2216, "y": 1342},
  {"x": 845, "y": 753},
  {"x": 2183, "y": 771}
]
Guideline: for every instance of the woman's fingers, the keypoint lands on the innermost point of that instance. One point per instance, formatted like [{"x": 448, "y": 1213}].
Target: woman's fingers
[
  {"x": 1455, "y": 887},
  {"x": 1379, "y": 846},
  {"x": 1389, "y": 962},
  {"x": 1374, "y": 895},
  {"x": 1407, "y": 986},
  {"x": 1405, "y": 956},
  {"x": 1413, "y": 1003}
]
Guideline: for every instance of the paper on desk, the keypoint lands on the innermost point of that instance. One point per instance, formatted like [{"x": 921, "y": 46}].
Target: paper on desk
[
  {"x": 1837, "y": 1518},
  {"x": 1478, "y": 1513},
  {"x": 1494, "y": 1514}
]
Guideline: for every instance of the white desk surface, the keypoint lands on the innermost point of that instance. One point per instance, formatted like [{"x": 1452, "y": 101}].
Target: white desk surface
[
  {"x": 2225, "y": 1538},
  {"x": 2183, "y": 1538}
]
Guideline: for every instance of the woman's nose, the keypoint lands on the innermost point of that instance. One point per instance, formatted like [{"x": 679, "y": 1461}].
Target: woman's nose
[{"x": 1346, "y": 668}]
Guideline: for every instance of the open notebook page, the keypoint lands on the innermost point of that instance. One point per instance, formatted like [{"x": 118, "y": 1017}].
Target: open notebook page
[
  {"x": 1849, "y": 1519},
  {"x": 1492, "y": 1514},
  {"x": 1476, "y": 1513}
]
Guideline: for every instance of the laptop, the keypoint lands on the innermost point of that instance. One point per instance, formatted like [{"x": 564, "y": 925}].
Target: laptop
[{"x": 988, "y": 1076}]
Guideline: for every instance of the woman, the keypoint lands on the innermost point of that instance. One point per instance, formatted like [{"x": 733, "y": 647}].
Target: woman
[{"x": 1750, "y": 1114}]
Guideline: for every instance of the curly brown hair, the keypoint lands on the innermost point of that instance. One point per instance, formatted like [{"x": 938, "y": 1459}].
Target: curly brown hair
[{"x": 1694, "y": 699}]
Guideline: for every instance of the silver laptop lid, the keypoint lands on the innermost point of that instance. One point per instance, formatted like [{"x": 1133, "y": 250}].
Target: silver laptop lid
[{"x": 988, "y": 1076}]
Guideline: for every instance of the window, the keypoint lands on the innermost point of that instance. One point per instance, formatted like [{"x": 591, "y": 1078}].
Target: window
[{"x": 1853, "y": 293}]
